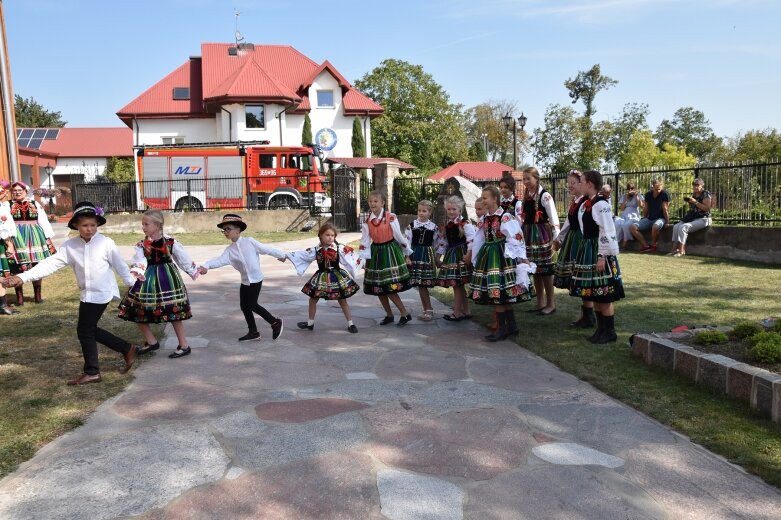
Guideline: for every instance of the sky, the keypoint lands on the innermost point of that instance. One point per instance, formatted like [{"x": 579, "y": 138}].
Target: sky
[{"x": 88, "y": 58}]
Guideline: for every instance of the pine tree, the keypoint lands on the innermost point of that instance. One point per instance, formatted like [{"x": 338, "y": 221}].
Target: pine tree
[
  {"x": 359, "y": 146},
  {"x": 306, "y": 134}
]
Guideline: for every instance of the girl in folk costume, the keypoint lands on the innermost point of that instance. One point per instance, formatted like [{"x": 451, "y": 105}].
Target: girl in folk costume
[
  {"x": 509, "y": 201},
  {"x": 423, "y": 236},
  {"x": 383, "y": 248},
  {"x": 335, "y": 275},
  {"x": 500, "y": 274},
  {"x": 568, "y": 244},
  {"x": 159, "y": 295},
  {"x": 7, "y": 234},
  {"x": 456, "y": 248},
  {"x": 33, "y": 236},
  {"x": 597, "y": 276},
  {"x": 540, "y": 227}
]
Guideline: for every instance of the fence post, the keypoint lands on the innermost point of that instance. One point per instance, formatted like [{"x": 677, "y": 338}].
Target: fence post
[
  {"x": 616, "y": 178},
  {"x": 189, "y": 200}
]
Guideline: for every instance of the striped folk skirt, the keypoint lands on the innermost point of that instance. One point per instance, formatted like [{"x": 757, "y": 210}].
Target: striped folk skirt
[
  {"x": 538, "y": 246},
  {"x": 5, "y": 260},
  {"x": 601, "y": 287},
  {"x": 386, "y": 271},
  {"x": 565, "y": 265},
  {"x": 31, "y": 245},
  {"x": 493, "y": 277},
  {"x": 161, "y": 297},
  {"x": 423, "y": 271},
  {"x": 330, "y": 284},
  {"x": 454, "y": 271}
]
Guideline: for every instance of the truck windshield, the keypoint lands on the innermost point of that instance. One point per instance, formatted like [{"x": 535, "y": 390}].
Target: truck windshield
[{"x": 304, "y": 162}]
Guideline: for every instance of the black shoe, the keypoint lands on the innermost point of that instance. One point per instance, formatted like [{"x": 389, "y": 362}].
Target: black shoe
[
  {"x": 305, "y": 325},
  {"x": 179, "y": 352},
  {"x": 148, "y": 348},
  {"x": 386, "y": 320},
  {"x": 276, "y": 328},
  {"x": 8, "y": 311},
  {"x": 403, "y": 320},
  {"x": 250, "y": 336},
  {"x": 607, "y": 336},
  {"x": 583, "y": 323},
  {"x": 499, "y": 335},
  {"x": 352, "y": 328}
]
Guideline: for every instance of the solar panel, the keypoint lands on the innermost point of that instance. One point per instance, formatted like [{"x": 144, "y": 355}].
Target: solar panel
[
  {"x": 24, "y": 143},
  {"x": 26, "y": 133},
  {"x": 35, "y": 143},
  {"x": 18, "y": 132},
  {"x": 39, "y": 133},
  {"x": 52, "y": 133}
]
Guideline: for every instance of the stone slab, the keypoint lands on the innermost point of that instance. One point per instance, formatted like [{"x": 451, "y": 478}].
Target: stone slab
[
  {"x": 571, "y": 454},
  {"x": 306, "y": 410},
  {"x": 687, "y": 362},
  {"x": 662, "y": 353},
  {"x": 640, "y": 344},
  {"x": 406, "y": 496},
  {"x": 740, "y": 379},
  {"x": 421, "y": 366},
  {"x": 712, "y": 371}
]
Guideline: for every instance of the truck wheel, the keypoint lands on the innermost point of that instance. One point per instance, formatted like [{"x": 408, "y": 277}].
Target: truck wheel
[{"x": 188, "y": 204}]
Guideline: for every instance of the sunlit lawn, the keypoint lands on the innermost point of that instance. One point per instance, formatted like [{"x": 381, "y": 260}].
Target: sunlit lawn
[{"x": 663, "y": 292}]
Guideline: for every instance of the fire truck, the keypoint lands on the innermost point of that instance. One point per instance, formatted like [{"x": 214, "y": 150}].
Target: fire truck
[{"x": 249, "y": 174}]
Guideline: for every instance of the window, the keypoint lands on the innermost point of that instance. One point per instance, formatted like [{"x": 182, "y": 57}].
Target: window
[
  {"x": 255, "y": 116},
  {"x": 325, "y": 98},
  {"x": 173, "y": 140},
  {"x": 268, "y": 161},
  {"x": 181, "y": 93}
]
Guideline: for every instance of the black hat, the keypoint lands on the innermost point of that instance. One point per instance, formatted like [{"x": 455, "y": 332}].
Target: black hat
[
  {"x": 234, "y": 220},
  {"x": 86, "y": 209}
]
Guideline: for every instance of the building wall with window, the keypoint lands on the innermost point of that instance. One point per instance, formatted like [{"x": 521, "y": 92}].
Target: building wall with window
[{"x": 154, "y": 131}]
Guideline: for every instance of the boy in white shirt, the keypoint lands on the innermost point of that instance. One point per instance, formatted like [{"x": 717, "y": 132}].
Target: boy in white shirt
[
  {"x": 92, "y": 257},
  {"x": 242, "y": 254}
]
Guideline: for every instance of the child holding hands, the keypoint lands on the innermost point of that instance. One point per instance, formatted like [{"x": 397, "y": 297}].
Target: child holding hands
[
  {"x": 422, "y": 234},
  {"x": 159, "y": 295},
  {"x": 334, "y": 278},
  {"x": 242, "y": 254},
  {"x": 456, "y": 246}
]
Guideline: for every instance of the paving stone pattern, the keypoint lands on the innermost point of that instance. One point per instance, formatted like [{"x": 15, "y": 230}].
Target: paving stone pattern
[{"x": 425, "y": 421}]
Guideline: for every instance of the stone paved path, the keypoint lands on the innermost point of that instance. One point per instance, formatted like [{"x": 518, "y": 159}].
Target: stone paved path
[{"x": 421, "y": 422}]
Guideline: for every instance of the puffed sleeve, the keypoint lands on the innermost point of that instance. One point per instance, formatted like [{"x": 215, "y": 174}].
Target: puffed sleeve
[
  {"x": 7, "y": 224},
  {"x": 138, "y": 264},
  {"x": 519, "y": 211},
  {"x": 514, "y": 246},
  {"x": 302, "y": 259},
  {"x": 441, "y": 241},
  {"x": 550, "y": 209},
  {"x": 408, "y": 232},
  {"x": 469, "y": 234},
  {"x": 563, "y": 233},
  {"x": 365, "y": 249},
  {"x": 349, "y": 260},
  {"x": 183, "y": 260},
  {"x": 603, "y": 216},
  {"x": 522, "y": 272},
  {"x": 43, "y": 221},
  {"x": 398, "y": 235},
  {"x": 479, "y": 239}
]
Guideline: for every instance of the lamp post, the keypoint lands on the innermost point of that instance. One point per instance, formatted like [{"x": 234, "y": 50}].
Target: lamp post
[
  {"x": 48, "y": 169},
  {"x": 511, "y": 122}
]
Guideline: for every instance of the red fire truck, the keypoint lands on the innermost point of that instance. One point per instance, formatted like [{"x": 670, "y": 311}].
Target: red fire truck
[{"x": 249, "y": 175}]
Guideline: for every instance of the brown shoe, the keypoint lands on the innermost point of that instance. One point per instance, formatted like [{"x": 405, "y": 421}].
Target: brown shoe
[
  {"x": 84, "y": 379},
  {"x": 130, "y": 358}
]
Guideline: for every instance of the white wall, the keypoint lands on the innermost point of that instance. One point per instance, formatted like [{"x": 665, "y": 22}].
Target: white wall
[
  {"x": 151, "y": 131},
  {"x": 89, "y": 167}
]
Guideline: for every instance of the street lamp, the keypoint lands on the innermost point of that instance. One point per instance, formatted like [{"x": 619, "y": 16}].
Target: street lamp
[{"x": 511, "y": 122}]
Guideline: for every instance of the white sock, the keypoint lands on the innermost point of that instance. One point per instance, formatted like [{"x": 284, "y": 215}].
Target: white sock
[
  {"x": 350, "y": 323},
  {"x": 310, "y": 322}
]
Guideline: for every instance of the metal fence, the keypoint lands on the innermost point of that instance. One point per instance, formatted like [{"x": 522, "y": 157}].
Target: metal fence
[
  {"x": 743, "y": 194},
  {"x": 408, "y": 191}
]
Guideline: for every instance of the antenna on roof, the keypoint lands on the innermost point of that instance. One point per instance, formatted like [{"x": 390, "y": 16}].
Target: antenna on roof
[{"x": 237, "y": 35}]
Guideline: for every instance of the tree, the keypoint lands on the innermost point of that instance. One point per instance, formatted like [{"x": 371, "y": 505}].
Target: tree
[
  {"x": 484, "y": 121},
  {"x": 754, "y": 145},
  {"x": 585, "y": 87},
  {"x": 556, "y": 146},
  {"x": 420, "y": 125},
  {"x": 31, "y": 114},
  {"x": 477, "y": 152},
  {"x": 120, "y": 169},
  {"x": 306, "y": 133},
  {"x": 689, "y": 129},
  {"x": 642, "y": 154},
  {"x": 359, "y": 146},
  {"x": 621, "y": 129}
]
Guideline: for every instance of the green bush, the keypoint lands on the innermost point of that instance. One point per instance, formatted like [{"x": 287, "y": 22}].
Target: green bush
[
  {"x": 767, "y": 347},
  {"x": 710, "y": 337},
  {"x": 777, "y": 326},
  {"x": 746, "y": 329}
]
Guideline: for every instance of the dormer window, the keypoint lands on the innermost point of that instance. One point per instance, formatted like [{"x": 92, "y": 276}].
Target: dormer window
[
  {"x": 325, "y": 98},
  {"x": 181, "y": 93}
]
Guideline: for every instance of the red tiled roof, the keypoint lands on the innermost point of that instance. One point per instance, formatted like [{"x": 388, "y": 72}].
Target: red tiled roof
[
  {"x": 483, "y": 170},
  {"x": 91, "y": 142},
  {"x": 368, "y": 162},
  {"x": 267, "y": 72}
]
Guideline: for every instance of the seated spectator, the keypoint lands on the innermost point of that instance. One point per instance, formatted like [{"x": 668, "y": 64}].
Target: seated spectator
[
  {"x": 697, "y": 218},
  {"x": 656, "y": 216},
  {"x": 630, "y": 205}
]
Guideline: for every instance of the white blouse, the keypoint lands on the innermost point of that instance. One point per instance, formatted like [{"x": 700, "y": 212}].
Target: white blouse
[
  {"x": 7, "y": 224},
  {"x": 415, "y": 224},
  {"x": 398, "y": 236},
  {"x": 603, "y": 216},
  {"x": 469, "y": 234},
  {"x": 347, "y": 259},
  {"x": 178, "y": 254}
]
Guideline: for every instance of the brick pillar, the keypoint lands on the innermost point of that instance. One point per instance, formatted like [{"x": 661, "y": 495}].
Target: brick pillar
[{"x": 383, "y": 174}]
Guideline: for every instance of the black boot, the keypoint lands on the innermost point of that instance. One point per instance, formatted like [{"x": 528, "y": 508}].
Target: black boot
[
  {"x": 4, "y": 308},
  {"x": 512, "y": 328},
  {"x": 37, "y": 292},
  {"x": 608, "y": 332},
  {"x": 501, "y": 328},
  {"x": 587, "y": 318},
  {"x": 600, "y": 327},
  {"x": 19, "y": 296}
]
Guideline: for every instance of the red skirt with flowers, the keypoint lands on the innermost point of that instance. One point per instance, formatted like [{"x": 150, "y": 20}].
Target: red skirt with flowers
[{"x": 160, "y": 298}]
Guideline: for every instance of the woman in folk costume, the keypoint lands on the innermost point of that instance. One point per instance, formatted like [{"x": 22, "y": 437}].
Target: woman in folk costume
[
  {"x": 33, "y": 236},
  {"x": 334, "y": 278},
  {"x": 7, "y": 234},
  {"x": 568, "y": 244},
  {"x": 500, "y": 276},
  {"x": 540, "y": 228},
  {"x": 383, "y": 248},
  {"x": 597, "y": 276}
]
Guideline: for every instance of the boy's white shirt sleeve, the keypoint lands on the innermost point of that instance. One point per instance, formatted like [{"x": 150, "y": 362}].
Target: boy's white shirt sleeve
[
  {"x": 365, "y": 248},
  {"x": 118, "y": 264},
  {"x": 182, "y": 259},
  {"x": 603, "y": 216},
  {"x": 46, "y": 267},
  {"x": 263, "y": 249},
  {"x": 349, "y": 261},
  {"x": 220, "y": 261},
  {"x": 550, "y": 209},
  {"x": 43, "y": 221},
  {"x": 398, "y": 235},
  {"x": 301, "y": 260}
]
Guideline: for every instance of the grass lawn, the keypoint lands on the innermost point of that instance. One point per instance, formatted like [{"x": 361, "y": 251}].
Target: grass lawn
[
  {"x": 663, "y": 292},
  {"x": 215, "y": 238},
  {"x": 39, "y": 352}
]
